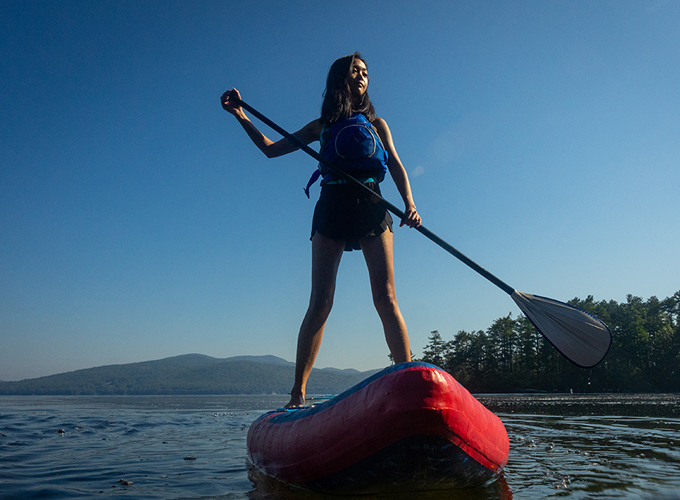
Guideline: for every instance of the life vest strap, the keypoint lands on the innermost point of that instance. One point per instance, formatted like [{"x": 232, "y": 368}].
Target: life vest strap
[{"x": 317, "y": 173}]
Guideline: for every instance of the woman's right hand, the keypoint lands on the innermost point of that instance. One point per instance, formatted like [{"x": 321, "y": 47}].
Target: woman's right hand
[
  {"x": 229, "y": 105},
  {"x": 412, "y": 218}
]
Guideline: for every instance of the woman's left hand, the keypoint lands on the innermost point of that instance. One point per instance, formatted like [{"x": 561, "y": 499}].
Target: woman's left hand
[{"x": 412, "y": 218}]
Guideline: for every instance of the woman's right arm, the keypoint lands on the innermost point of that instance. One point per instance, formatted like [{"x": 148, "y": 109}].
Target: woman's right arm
[{"x": 307, "y": 134}]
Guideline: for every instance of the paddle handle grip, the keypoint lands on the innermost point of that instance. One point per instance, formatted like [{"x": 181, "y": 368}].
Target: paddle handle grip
[{"x": 389, "y": 206}]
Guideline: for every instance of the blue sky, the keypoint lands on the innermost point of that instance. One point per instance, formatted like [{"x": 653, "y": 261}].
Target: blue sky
[{"x": 137, "y": 221}]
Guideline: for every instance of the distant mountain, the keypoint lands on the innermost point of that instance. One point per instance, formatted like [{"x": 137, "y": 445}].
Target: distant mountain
[
  {"x": 267, "y": 360},
  {"x": 188, "y": 374}
]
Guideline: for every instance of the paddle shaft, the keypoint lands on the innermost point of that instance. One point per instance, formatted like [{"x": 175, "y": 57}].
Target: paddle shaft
[{"x": 389, "y": 206}]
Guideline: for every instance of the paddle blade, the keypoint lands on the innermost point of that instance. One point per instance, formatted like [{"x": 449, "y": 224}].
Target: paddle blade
[{"x": 580, "y": 337}]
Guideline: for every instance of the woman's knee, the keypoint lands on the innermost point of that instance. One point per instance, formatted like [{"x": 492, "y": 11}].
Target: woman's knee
[
  {"x": 385, "y": 302},
  {"x": 321, "y": 304}
]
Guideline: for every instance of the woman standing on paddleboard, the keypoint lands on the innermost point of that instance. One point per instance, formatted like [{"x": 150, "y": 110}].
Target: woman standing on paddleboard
[{"x": 346, "y": 217}]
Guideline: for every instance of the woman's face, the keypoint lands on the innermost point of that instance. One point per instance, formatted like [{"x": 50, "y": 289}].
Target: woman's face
[{"x": 358, "y": 78}]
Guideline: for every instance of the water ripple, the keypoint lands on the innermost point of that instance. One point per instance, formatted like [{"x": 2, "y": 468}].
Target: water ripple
[{"x": 194, "y": 447}]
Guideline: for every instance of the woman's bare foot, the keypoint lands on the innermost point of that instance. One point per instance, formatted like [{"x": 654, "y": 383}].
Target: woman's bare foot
[{"x": 296, "y": 399}]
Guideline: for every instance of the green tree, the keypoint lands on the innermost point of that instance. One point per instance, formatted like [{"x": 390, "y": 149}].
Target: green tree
[
  {"x": 436, "y": 351},
  {"x": 511, "y": 354}
]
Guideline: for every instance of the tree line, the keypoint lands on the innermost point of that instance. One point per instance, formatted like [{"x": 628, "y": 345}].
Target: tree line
[{"x": 512, "y": 356}]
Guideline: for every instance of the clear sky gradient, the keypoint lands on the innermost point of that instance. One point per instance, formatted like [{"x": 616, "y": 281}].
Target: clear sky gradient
[{"x": 137, "y": 221}]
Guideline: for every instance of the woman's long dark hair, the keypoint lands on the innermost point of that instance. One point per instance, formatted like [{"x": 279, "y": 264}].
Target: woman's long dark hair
[{"x": 338, "y": 102}]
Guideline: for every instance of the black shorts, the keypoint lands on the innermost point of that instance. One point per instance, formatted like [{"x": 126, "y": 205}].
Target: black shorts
[{"x": 348, "y": 213}]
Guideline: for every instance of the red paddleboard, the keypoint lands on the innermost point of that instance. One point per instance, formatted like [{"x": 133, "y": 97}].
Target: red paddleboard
[{"x": 411, "y": 426}]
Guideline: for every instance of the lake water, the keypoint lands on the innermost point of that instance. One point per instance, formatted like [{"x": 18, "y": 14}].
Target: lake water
[{"x": 194, "y": 447}]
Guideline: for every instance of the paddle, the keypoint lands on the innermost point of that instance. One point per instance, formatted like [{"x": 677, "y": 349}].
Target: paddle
[{"x": 580, "y": 337}]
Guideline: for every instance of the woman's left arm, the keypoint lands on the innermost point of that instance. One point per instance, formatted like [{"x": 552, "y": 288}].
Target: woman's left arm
[{"x": 398, "y": 173}]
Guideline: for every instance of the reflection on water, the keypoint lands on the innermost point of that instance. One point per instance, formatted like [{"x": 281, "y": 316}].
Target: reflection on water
[
  {"x": 267, "y": 488},
  {"x": 580, "y": 446},
  {"x": 609, "y": 446}
]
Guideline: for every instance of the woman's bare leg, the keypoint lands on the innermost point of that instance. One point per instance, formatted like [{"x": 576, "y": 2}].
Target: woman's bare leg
[
  {"x": 379, "y": 260},
  {"x": 326, "y": 254}
]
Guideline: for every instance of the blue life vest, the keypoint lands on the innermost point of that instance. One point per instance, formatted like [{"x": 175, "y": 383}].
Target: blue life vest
[{"x": 353, "y": 146}]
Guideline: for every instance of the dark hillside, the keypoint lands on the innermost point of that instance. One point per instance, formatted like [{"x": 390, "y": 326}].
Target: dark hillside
[{"x": 187, "y": 374}]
